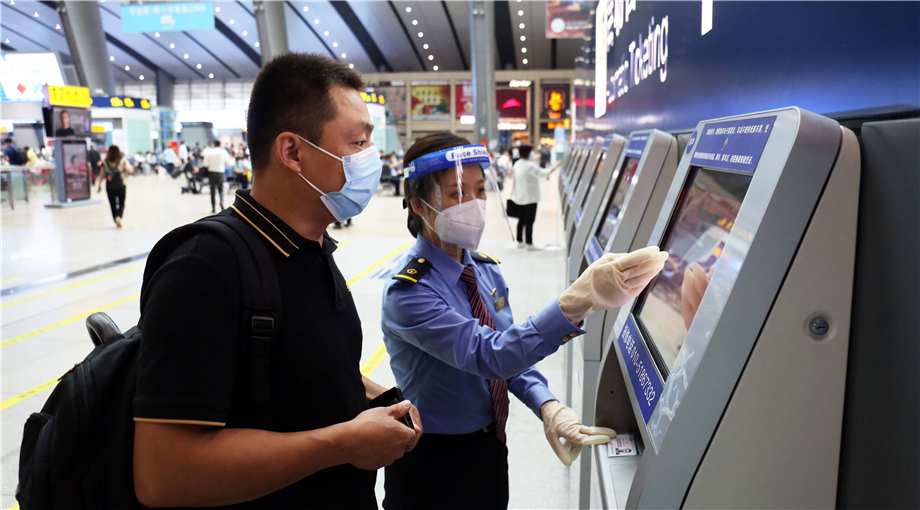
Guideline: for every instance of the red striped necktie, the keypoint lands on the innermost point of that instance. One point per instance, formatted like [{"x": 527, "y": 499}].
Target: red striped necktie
[{"x": 498, "y": 388}]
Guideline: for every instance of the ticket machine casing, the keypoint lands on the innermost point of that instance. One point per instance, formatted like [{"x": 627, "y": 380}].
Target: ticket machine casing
[
  {"x": 657, "y": 156},
  {"x": 580, "y": 184},
  {"x": 750, "y": 413}
]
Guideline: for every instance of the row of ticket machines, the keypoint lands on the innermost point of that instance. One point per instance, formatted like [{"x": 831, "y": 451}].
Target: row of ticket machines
[{"x": 725, "y": 378}]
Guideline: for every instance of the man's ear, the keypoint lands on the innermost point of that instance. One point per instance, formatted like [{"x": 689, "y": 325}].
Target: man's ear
[{"x": 287, "y": 151}]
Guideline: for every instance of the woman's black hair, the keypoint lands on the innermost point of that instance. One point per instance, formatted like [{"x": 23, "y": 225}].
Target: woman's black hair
[{"x": 421, "y": 187}]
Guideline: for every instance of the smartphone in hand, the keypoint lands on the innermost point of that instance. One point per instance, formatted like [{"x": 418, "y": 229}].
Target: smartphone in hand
[{"x": 391, "y": 397}]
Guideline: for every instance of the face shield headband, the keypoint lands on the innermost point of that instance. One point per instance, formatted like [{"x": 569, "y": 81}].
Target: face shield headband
[{"x": 455, "y": 157}]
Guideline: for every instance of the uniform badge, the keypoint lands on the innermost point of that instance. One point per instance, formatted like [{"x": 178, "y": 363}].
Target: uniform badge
[{"x": 500, "y": 304}]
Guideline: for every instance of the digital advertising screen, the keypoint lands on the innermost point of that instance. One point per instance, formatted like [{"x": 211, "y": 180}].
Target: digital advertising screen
[
  {"x": 76, "y": 177},
  {"x": 615, "y": 204},
  {"x": 694, "y": 240},
  {"x": 67, "y": 121},
  {"x": 431, "y": 102}
]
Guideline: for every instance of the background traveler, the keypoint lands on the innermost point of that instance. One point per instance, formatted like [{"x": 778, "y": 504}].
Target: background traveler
[
  {"x": 215, "y": 160},
  {"x": 526, "y": 193},
  {"x": 114, "y": 167}
]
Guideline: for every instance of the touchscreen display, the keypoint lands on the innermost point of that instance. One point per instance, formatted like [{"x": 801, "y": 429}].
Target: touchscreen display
[
  {"x": 578, "y": 177},
  {"x": 597, "y": 170},
  {"x": 694, "y": 240},
  {"x": 612, "y": 214}
]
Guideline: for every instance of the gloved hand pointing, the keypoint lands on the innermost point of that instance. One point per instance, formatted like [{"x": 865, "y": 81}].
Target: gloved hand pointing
[
  {"x": 560, "y": 422},
  {"x": 610, "y": 282}
]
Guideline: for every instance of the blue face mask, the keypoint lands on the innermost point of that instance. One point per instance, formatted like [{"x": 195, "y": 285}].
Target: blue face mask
[{"x": 362, "y": 175}]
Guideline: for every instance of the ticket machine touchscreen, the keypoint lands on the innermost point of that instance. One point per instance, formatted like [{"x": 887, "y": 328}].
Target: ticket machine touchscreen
[
  {"x": 616, "y": 201},
  {"x": 584, "y": 201},
  {"x": 694, "y": 241}
]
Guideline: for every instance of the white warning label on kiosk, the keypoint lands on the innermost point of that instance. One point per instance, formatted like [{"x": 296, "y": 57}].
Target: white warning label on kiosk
[{"x": 624, "y": 445}]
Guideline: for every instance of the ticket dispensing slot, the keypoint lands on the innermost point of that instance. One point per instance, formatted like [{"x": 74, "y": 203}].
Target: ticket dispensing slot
[{"x": 709, "y": 363}]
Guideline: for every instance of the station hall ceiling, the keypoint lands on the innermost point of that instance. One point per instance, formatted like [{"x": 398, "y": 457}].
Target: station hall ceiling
[{"x": 374, "y": 36}]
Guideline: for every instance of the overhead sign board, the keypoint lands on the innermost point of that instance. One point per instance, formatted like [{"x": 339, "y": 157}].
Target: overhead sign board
[
  {"x": 167, "y": 17},
  {"x": 121, "y": 102},
  {"x": 23, "y": 76},
  {"x": 77, "y": 97}
]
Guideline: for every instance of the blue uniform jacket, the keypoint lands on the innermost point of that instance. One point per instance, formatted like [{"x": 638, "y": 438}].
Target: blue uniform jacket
[{"x": 442, "y": 358}]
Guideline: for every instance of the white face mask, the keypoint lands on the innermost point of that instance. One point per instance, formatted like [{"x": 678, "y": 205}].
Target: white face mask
[{"x": 460, "y": 224}]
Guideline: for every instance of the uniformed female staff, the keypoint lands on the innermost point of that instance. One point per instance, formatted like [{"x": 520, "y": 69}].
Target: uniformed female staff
[{"x": 454, "y": 348}]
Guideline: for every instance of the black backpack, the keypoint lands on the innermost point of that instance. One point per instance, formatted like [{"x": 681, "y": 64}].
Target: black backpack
[{"x": 78, "y": 451}]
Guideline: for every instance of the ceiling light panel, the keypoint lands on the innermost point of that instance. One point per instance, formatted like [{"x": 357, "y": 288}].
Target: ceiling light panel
[
  {"x": 383, "y": 25},
  {"x": 20, "y": 17},
  {"x": 313, "y": 39},
  {"x": 436, "y": 33}
]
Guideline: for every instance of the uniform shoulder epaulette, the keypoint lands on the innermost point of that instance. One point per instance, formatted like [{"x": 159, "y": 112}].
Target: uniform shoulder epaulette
[
  {"x": 484, "y": 257},
  {"x": 414, "y": 270}
]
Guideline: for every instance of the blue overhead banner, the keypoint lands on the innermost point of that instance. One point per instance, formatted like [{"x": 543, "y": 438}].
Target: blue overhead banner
[
  {"x": 733, "y": 145},
  {"x": 167, "y": 17},
  {"x": 671, "y": 64}
]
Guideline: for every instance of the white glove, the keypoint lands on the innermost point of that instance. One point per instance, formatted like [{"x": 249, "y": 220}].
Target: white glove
[
  {"x": 560, "y": 422},
  {"x": 610, "y": 282},
  {"x": 696, "y": 280}
]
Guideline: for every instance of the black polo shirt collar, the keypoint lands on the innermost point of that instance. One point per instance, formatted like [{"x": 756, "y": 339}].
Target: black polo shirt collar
[{"x": 277, "y": 232}]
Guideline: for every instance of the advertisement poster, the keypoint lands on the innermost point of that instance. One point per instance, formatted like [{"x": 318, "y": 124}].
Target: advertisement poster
[
  {"x": 23, "y": 76},
  {"x": 69, "y": 121},
  {"x": 395, "y": 101},
  {"x": 465, "y": 105},
  {"x": 76, "y": 177},
  {"x": 431, "y": 102},
  {"x": 512, "y": 103},
  {"x": 567, "y": 20},
  {"x": 555, "y": 101}
]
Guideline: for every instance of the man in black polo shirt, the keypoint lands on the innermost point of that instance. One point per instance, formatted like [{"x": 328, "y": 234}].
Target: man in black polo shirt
[{"x": 193, "y": 443}]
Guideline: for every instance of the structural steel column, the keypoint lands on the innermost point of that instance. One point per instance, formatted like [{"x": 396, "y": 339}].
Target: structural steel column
[
  {"x": 273, "y": 39},
  {"x": 166, "y": 86},
  {"x": 82, "y": 25},
  {"x": 482, "y": 44}
]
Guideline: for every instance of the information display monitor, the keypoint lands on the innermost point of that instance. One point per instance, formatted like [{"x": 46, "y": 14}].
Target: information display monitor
[
  {"x": 594, "y": 174},
  {"x": 611, "y": 211},
  {"x": 577, "y": 171},
  {"x": 694, "y": 240}
]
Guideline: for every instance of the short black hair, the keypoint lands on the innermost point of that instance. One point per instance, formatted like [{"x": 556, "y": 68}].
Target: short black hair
[
  {"x": 292, "y": 93},
  {"x": 216, "y": 143},
  {"x": 421, "y": 187},
  {"x": 8, "y": 140},
  {"x": 524, "y": 151}
]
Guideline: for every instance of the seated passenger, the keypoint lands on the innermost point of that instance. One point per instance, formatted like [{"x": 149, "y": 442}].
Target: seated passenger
[{"x": 454, "y": 347}]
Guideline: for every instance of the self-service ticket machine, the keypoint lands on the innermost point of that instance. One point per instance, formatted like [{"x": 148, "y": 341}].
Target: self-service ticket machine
[
  {"x": 578, "y": 151},
  {"x": 586, "y": 207},
  {"x": 577, "y": 184},
  {"x": 624, "y": 210},
  {"x": 603, "y": 149},
  {"x": 725, "y": 378}
]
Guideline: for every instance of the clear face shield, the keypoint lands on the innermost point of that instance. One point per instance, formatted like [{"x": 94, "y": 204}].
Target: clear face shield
[{"x": 454, "y": 200}]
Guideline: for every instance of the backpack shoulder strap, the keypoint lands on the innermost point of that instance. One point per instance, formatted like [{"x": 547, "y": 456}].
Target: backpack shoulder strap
[{"x": 261, "y": 296}]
